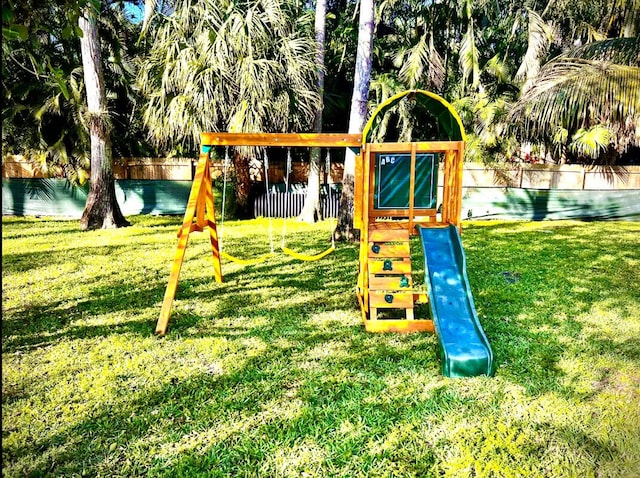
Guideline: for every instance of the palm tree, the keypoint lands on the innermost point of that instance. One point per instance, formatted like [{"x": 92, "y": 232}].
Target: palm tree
[
  {"x": 585, "y": 101},
  {"x": 101, "y": 209},
  {"x": 312, "y": 211},
  {"x": 231, "y": 66},
  {"x": 47, "y": 118},
  {"x": 357, "y": 117}
]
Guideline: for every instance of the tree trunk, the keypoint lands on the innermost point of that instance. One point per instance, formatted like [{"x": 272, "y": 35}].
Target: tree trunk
[
  {"x": 243, "y": 185},
  {"x": 312, "y": 209},
  {"x": 101, "y": 209},
  {"x": 344, "y": 230}
]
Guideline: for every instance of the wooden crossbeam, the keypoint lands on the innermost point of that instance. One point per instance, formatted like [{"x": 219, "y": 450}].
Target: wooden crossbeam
[
  {"x": 420, "y": 147},
  {"x": 335, "y": 140}
]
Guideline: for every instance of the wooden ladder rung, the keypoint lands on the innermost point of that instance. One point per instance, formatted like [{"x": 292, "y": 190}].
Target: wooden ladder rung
[
  {"x": 393, "y": 235},
  {"x": 391, "y": 299},
  {"x": 394, "y": 283},
  {"x": 389, "y": 250},
  {"x": 389, "y": 266}
]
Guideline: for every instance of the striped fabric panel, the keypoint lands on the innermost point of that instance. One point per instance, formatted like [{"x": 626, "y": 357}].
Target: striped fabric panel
[{"x": 278, "y": 204}]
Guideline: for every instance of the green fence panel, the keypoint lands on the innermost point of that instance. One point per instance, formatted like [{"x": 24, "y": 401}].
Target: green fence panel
[
  {"x": 57, "y": 198},
  {"x": 541, "y": 204}
]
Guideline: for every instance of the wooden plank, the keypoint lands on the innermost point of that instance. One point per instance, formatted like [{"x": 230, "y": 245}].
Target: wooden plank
[
  {"x": 390, "y": 283},
  {"x": 399, "y": 300},
  {"x": 358, "y": 186},
  {"x": 390, "y": 250},
  {"x": 172, "y": 286},
  {"x": 336, "y": 140},
  {"x": 397, "y": 267},
  {"x": 401, "y": 212},
  {"x": 399, "y": 325},
  {"x": 427, "y": 221},
  {"x": 412, "y": 185},
  {"x": 459, "y": 174},
  {"x": 387, "y": 225},
  {"x": 388, "y": 235},
  {"x": 420, "y": 146},
  {"x": 213, "y": 230}
]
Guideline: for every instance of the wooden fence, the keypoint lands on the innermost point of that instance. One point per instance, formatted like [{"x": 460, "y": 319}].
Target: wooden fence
[{"x": 527, "y": 176}]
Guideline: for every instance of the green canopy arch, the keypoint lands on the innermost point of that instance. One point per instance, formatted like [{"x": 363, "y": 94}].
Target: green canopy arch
[{"x": 446, "y": 116}]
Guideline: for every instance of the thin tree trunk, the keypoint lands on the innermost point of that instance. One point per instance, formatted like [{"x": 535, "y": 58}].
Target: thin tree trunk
[
  {"x": 101, "y": 209},
  {"x": 312, "y": 209},
  {"x": 344, "y": 230},
  {"x": 243, "y": 185}
]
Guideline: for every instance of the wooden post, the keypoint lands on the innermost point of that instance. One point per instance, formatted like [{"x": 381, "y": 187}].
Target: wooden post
[
  {"x": 367, "y": 177},
  {"x": 446, "y": 191},
  {"x": 412, "y": 186},
  {"x": 200, "y": 203},
  {"x": 459, "y": 175}
]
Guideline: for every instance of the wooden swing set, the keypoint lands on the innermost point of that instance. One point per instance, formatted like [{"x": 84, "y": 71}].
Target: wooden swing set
[{"x": 388, "y": 207}]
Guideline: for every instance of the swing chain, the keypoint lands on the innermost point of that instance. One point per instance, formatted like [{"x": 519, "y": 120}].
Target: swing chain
[
  {"x": 225, "y": 167},
  {"x": 266, "y": 181}
]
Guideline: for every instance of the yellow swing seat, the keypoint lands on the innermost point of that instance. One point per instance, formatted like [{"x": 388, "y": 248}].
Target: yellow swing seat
[
  {"x": 246, "y": 262},
  {"x": 304, "y": 257}
]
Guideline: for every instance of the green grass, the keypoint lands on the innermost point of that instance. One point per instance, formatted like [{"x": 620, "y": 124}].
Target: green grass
[{"x": 271, "y": 373}]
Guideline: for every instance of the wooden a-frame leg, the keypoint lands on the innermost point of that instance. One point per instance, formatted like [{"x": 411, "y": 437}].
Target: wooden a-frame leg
[
  {"x": 172, "y": 286},
  {"x": 211, "y": 224}
]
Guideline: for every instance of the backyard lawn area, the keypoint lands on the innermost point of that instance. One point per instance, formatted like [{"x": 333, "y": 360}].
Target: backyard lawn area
[{"x": 271, "y": 374}]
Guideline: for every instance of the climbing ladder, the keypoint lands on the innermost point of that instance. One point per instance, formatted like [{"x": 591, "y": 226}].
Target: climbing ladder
[
  {"x": 389, "y": 270},
  {"x": 390, "y": 294}
]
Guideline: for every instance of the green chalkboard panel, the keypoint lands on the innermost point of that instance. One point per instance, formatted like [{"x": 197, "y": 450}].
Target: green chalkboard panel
[{"x": 393, "y": 176}]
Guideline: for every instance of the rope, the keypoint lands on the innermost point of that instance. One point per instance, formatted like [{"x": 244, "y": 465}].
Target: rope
[
  {"x": 229, "y": 257},
  {"x": 246, "y": 262},
  {"x": 286, "y": 198},
  {"x": 266, "y": 181},
  {"x": 304, "y": 257},
  {"x": 291, "y": 252},
  {"x": 225, "y": 167}
]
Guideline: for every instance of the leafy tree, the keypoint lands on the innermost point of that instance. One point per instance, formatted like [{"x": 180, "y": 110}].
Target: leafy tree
[
  {"x": 584, "y": 102},
  {"x": 231, "y": 66},
  {"x": 42, "y": 88},
  {"x": 102, "y": 209},
  {"x": 48, "y": 118}
]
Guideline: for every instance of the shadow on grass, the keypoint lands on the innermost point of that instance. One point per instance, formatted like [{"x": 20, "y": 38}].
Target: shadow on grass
[
  {"x": 534, "y": 295},
  {"x": 276, "y": 406},
  {"x": 234, "y": 421},
  {"x": 38, "y": 325},
  {"x": 321, "y": 389}
]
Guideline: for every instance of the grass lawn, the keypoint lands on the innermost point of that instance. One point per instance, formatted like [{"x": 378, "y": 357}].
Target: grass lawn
[{"x": 271, "y": 373}]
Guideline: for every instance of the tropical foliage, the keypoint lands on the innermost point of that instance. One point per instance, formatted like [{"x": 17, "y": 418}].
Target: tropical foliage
[
  {"x": 224, "y": 65},
  {"x": 43, "y": 114},
  {"x": 586, "y": 99}
]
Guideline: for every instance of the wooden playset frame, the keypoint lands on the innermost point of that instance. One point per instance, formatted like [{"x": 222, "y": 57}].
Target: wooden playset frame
[{"x": 386, "y": 232}]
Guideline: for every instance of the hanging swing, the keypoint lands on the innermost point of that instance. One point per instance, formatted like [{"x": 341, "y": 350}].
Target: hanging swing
[
  {"x": 229, "y": 257},
  {"x": 291, "y": 252}
]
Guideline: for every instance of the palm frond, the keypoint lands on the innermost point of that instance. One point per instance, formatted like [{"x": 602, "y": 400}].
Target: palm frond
[
  {"x": 573, "y": 93},
  {"x": 591, "y": 142},
  {"x": 622, "y": 51},
  {"x": 211, "y": 57},
  {"x": 469, "y": 58},
  {"x": 498, "y": 69},
  {"x": 540, "y": 36}
]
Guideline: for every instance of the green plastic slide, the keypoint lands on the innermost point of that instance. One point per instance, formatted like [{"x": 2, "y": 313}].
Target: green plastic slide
[{"x": 463, "y": 346}]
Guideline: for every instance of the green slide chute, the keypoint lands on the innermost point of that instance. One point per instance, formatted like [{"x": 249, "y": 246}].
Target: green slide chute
[{"x": 463, "y": 346}]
